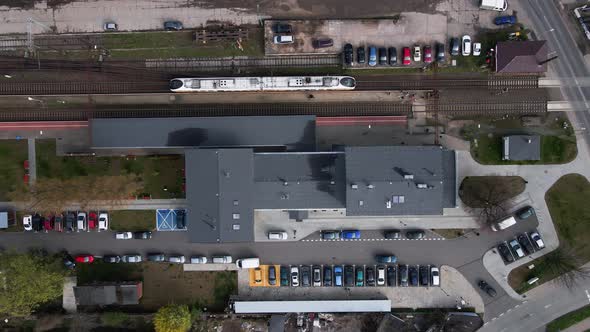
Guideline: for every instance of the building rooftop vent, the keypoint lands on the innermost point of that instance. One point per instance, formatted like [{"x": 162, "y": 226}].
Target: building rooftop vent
[
  {"x": 409, "y": 176},
  {"x": 354, "y": 186},
  {"x": 370, "y": 186},
  {"x": 421, "y": 185}
]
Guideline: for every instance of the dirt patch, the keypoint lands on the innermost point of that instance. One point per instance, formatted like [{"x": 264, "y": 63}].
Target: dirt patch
[
  {"x": 24, "y": 4},
  {"x": 167, "y": 283}
]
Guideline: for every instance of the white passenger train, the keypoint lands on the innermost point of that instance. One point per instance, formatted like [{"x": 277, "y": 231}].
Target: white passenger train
[{"x": 281, "y": 83}]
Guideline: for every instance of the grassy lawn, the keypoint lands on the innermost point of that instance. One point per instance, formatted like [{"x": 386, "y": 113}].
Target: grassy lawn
[
  {"x": 567, "y": 200},
  {"x": 554, "y": 150},
  {"x": 12, "y": 155},
  {"x": 132, "y": 220},
  {"x": 166, "y": 283},
  {"x": 157, "y": 172},
  {"x": 107, "y": 272},
  {"x": 569, "y": 319},
  {"x": 514, "y": 185}
]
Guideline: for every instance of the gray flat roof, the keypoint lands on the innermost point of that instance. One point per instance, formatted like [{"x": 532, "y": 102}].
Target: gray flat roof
[
  {"x": 522, "y": 147},
  {"x": 398, "y": 180},
  {"x": 253, "y": 307},
  {"x": 296, "y": 133},
  {"x": 219, "y": 195},
  {"x": 299, "y": 180}
]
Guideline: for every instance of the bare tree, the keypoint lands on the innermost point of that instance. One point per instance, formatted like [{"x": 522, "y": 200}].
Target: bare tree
[
  {"x": 92, "y": 192},
  {"x": 566, "y": 264},
  {"x": 487, "y": 196}
]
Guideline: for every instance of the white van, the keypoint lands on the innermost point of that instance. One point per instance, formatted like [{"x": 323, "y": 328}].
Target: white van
[
  {"x": 248, "y": 263},
  {"x": 503, "y": 224},
  {"x": 277, "y": 235},
  {"x": 497, "y": 5}
]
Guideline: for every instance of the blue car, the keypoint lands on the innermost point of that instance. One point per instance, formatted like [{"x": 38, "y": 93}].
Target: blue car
[
  {"x": 386, "y": 259},
  {"x": 372, "y": 56},
  {"x": 501, "y": 20},
  {"x": 338, "y": 276},
  {"x": 351, "y": 234}
]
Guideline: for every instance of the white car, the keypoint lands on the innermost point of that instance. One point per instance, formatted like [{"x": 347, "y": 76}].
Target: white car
[
  {"x": 277, "y": 235},
  {"x": 380, "y": 275},
  {"x": 466, "y": 45},
  {"x": 198, "y": 260},
  {"x": 123, "y": 235},
  {"x": 516, "y": 248},
  {"x": 537, "y": 241},
  {"x": 222, "y": 259},
  {"x": 417, "y": 54},
  {"x": 434, "y": 276},
  {"x": 283, "y": 40},
  {"x": 28, "y": 223},
  {"x": 131, "y": 259},
  {"x": 176, "y": 259},
  {"x": 476, "y": 49},
  {"x": 103, "y": 222},
  {"x": 82, "y": 221},
  {"x": 294, "y": 276}
]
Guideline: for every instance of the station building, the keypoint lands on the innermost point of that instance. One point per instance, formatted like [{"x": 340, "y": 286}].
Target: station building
[{"x": 235, "y": 165}]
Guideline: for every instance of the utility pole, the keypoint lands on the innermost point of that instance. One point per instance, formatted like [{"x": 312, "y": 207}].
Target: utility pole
[{"x": 30, "y": 40}]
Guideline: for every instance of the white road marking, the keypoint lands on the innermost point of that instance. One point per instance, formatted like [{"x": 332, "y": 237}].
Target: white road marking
[
  {"x": 494, "y": 318},
  {"x": 547, "y": 306},
  {"x": 588, "y": 295},
  {"x": 509, "y": 310},
  {"x": 502, "y": 314}
]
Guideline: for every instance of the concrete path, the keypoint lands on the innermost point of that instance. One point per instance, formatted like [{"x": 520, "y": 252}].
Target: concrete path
[
  {"x": 580, "y": 327},
  {"x": 32, "y": 161},
  {"x": 69, "y": 299},
  {"x": 140, "y": 204}
]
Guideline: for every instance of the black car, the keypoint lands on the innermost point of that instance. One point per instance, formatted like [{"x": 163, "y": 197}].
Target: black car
[
  {"x": 111, "y": 259},
  {"x": 455, "y": 46},
  {"x": 145, "y": 235},
  {"x": 322, "y": 43},
  {"x": 413, "y": 272},
  {"x": 305, "y": 276},
  {"x": 487, "y": 288},
  {"x": 392, "y": 56},
  {"x": 382, "y": 56},
  {"x": 284, "y": 276},
  {"x": 391, "y": 275},
  {"x": 403, "y": 275},
  {"x": 327, "y": 276},
  {"x": 37, "y": 223},
  {"x": 424, "y": 278},
  {"x": 348, "y": 54},
  {"x": 415, "y": 234},
  {"x": 525, "y": 212},
  {"x": 440, "y": 53},
  {"x": 173, "y": 25},
  {"x": 282, "y": 28},
  {"x": 505, "y": 253},
  {"x": 68, "y": 260},
  {"x": 360, "y": 55},
  {"x": 348, "y": 276},
  {"x": 156, "y": 257},
  {"x": 370, "y": 276},
  {"x": 70, "y": 221},
  {"x": 393, "y": 234},
  {"x": 525, "y": 244},
  {"x": 272, "y": 275},
  {"x": 180, "y": 219}
]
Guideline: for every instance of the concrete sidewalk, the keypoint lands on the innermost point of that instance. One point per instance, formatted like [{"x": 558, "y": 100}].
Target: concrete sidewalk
[{"x": 579, "y": 327}]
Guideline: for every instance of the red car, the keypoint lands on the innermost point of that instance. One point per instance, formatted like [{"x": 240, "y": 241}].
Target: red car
[
  {"x": 92, "y": 220},
  {"x": 48, "y": 223},
  {"x": 427, "y": 54},
  {"x": 406, "y": 58},
  {"x": 26, "y": 165},
  {"x": 26, "y": 179},
  {"x": 84, "y": 259}
]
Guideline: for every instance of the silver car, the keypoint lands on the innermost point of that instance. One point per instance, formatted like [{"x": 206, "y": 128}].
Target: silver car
[
  {"x": 294, "y": 276},
  {"x": 131, "y": 258},
  {"x": 178, "y": 259},
  {"x": 222, "y": 259},
  {"x": 198, "y": 260}
]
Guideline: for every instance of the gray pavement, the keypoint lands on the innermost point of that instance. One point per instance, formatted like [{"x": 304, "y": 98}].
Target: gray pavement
[{"x": 32, "y": 153}]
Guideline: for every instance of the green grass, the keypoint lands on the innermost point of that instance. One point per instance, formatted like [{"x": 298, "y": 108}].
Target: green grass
[
  {"x": 132, "y": 220},
  {"x": 161, "y": 175},
  {"x": 12, "y": 155},
  {"x": 554, "y": 150},
  {"x": 569, "y": 319},
  {"x": 568, "y": 205},
  {"x": 99, "y": 271},
  {"x": 114, "y": 318},
  {"x": 226, "y": 284}
]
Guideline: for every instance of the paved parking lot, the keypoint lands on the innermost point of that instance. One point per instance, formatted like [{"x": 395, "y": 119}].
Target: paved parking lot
[{"x": 454, "y": 288}]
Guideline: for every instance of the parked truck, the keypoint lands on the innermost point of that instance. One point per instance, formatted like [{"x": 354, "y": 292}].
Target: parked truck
[{"x": 497, "y": 5}]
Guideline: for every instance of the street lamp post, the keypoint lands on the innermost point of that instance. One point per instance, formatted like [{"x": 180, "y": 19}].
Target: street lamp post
[{"x": 37, "y": 100}]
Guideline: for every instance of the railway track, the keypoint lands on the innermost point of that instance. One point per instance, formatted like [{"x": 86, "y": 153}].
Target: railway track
[
  {"x": 433, "y": 82},
  {"x": 204, "y": 110},
  {"x": 73, "y": 88},
  {"x": 245, "y": 62},
  {"x": 488, "y": 108}
]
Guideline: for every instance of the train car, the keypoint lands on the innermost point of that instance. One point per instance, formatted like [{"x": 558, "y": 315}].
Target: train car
[{"x": 280, "y": 83}]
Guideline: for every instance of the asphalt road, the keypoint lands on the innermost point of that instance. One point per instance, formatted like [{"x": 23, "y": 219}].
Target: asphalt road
[{"x": 463, "y": 253}]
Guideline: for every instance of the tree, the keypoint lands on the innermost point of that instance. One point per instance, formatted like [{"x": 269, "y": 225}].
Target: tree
[
  {"x": 172, "y": 318},
  {"x": 28, "y": 280},
  {"x": 564, "y": 263},
  {"x": 487, "y": 197},
  {"x": 87, "y": 192}
]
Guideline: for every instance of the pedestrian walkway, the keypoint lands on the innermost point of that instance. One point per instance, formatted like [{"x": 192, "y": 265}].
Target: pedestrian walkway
[
  {"x": 579, "y": 327},
  {"x": 69, "y": 299},
  {"x": 32, "y": 161}
]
